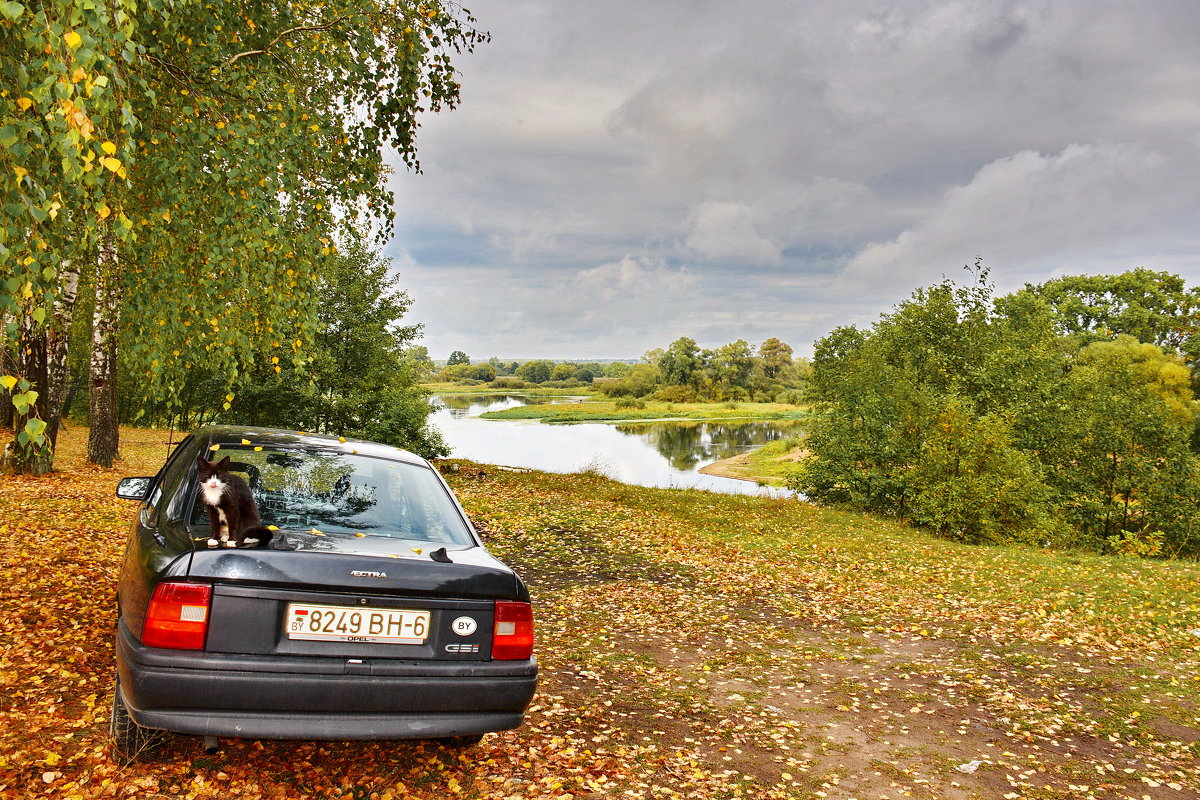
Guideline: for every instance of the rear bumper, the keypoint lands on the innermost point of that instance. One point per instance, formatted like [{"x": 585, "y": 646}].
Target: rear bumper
[{"x": 319, "y": 698}]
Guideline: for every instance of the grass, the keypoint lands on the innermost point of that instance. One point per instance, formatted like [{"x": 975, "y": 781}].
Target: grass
[
  {"x": 596, "y": 410},
  {"x": 483, "y": 389},
  {"x": 691, "y": 644},
  {"x": 769, "y": 465}
]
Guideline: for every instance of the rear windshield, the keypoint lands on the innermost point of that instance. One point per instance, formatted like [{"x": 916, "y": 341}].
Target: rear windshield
[{"x": 341, "y": 493}]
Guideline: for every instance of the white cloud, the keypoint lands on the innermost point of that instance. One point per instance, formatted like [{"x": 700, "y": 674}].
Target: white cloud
[
  {"x": 790, "y": 167},
  {"x": 728, "y": 232},
  {"x": 1031, "y": 208}
]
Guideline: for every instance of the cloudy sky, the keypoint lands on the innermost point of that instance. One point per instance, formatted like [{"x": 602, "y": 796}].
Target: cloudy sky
[{"x": 621, "y": 174}]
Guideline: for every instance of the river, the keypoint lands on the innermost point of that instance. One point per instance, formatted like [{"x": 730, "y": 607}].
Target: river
[{"x": 664, "y": 454}]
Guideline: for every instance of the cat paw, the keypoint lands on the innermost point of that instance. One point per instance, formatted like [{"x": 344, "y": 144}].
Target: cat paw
[
  {"x": 213, "y": 543},
  {"x": 231, "y": 544},
  {"x": 249, "y": 542}
]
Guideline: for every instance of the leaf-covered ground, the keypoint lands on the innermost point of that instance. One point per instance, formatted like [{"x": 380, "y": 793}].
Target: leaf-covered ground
[{"x": 691, "y": 644}]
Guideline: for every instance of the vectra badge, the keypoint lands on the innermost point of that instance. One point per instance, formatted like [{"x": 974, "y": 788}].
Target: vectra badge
[{"x": 362, "y": 573}]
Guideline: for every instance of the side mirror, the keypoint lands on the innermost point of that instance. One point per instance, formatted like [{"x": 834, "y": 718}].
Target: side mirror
[{"x": 134, "y": 488}]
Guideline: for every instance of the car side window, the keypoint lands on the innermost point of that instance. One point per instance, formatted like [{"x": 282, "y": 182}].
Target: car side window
[{"x": 176, "y": 476}]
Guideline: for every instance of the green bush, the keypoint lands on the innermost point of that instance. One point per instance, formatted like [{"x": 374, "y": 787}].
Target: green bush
[
  {"x": 976, "y": 419},
  {"x": 794, "y": 397},
  {"x": 675, "y": 394}
]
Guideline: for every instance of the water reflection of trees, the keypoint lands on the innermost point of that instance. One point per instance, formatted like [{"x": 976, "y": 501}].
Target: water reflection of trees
[
  {"x": 688, "y": 444},
  {"x": 680, "y": 443},
  {"x": 460, "y": 405}
]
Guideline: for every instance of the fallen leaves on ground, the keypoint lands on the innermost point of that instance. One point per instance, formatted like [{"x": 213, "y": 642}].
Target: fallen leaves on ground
[{"x": 691, "y": 645}]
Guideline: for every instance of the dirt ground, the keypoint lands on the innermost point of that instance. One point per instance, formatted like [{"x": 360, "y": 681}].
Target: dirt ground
[{"x": 789, "y": 704}]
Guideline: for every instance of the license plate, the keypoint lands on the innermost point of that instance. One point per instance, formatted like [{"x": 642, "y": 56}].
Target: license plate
[{"x": 343, "y": 624}]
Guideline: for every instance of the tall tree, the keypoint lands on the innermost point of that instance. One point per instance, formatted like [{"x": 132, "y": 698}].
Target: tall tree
[
  {"x": 680, "y": 362},
  {"x": 731, "y": 367},
  {"x": 245, "y": 138},
  {"x": 356, "y": 379},
  {"x": 1153, "y": 307},
  {"x": 776, "y": 356},
  {"x": 66, "y": 125}
]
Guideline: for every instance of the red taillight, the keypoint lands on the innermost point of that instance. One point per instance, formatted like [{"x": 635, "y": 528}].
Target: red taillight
[
  {"x": 513, "y": 636},
  {"x": 177, "y": 616}
]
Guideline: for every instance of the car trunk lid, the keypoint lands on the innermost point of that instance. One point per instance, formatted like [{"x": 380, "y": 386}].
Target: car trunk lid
[{"x": 353, "y": 599}]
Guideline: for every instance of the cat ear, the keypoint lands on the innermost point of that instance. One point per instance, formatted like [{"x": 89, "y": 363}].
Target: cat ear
[
  {"x": 224, "y": 463},
  {"x": 200, "y": 459}
]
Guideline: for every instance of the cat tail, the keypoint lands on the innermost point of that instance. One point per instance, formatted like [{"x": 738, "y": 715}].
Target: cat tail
[{"x": 261, "y": 533}]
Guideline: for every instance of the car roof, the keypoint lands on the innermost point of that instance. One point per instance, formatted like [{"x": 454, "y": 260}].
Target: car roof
[{"x": 300, "y": 440}]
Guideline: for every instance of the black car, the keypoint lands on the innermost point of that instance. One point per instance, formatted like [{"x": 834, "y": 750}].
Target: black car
[{"x": 373, "y": 612}]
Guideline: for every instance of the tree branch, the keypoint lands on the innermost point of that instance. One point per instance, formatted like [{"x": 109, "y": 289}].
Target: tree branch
[{"x": 324, "y": 26}]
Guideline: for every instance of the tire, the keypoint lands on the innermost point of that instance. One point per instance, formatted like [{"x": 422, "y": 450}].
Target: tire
[
  {"x": 129, "y": 740},
  {"x": 460, "y": 742}
]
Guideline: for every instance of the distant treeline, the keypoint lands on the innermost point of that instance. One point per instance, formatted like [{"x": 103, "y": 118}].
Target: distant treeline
[
  {"x": 681, "y": 373},
  {"x": 1063, "y": 414}
]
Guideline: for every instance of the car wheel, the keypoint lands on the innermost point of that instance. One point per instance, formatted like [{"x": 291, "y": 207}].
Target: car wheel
[
  {"x": 129, "y": 739},
  {"x": 460, "y": 742}
]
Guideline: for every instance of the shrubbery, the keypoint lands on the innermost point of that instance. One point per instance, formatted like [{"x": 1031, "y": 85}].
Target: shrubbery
[{"x": 980, "y": 420}]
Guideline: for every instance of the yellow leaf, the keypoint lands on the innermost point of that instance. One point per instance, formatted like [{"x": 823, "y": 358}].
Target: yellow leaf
[
  {"x": 111, "y": 164},
  {"x": 418, "y": 550},
  {"x": 109, "y": 148},
  {"x": 21, "y": 172},
  {"x": 215, "y": 447},
  {"x": 103, "y": 212},
  {"x": 359, "y": 535},
  {"x": 78, "y": 75},
  {"x": 272, "y": 527},
  {"x": 245, "y": 441},
  {"x": 167, "y": 216},
  {"x": 24, "y": 103},
  {"x": 258, "y": 449},
  {"x": 73, "y": 40},
  {"x": 8, "y": 382}
]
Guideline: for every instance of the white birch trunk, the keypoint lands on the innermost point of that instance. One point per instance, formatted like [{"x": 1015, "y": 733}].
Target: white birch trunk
[{"x": 103, "y": 437}]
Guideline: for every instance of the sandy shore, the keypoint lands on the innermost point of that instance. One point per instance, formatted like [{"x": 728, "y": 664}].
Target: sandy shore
[
  {"x": 742, "y": 467},
  {"x": 735, "y": 467}
]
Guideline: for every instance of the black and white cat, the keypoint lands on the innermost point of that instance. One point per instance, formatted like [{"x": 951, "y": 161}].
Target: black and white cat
[{"x": 230, "y": 506}]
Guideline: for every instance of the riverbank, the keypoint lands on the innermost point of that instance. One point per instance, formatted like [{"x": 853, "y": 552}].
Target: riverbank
[
  {"x": 532, "y": 390},
  {"x": 768, "y": 465},
  {"x": 691, "y": 644},
  {"x": 593, "y": 409}
]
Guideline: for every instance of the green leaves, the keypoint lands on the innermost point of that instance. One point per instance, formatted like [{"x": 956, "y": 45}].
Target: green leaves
[
  {"x": 223, "y": 148},
  {"x": 32, "y": 434},
  {"x": 975, "y": 419}
]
